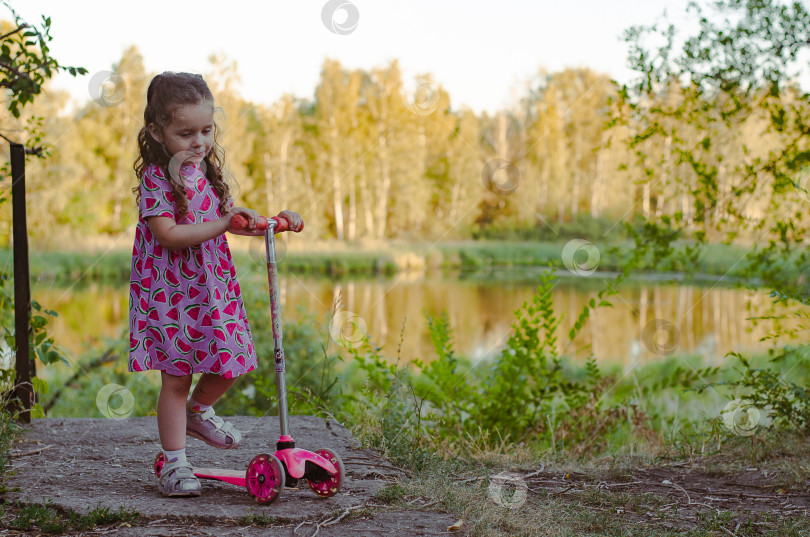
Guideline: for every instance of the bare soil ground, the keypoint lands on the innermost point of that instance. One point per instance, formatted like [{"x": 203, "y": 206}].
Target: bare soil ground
[
  {"x": 678, "y": 495},
  {"x": 81, "y": 464}
]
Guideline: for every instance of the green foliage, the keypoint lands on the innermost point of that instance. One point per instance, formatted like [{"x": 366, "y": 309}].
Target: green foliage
[
  {"x": 525, "y": 394},
  {"x": 26, "y": 64},
  {"x": 311, "y": 370},
  {"x": 257, "y": 519},
  {"x": 41, "y": 346},
  {"x": 25, "y": 61},
  {"x": 526, "y": 379},
  {"x": 390, "y": 493},
  {"x": 51, "y": 520},
  {"x": 443, "y": 382},
  {"x": 781, "y": 403},
  {"x": 582, "y": 226},
  {"x": 736, "y": 74},
  {"x": 9, "y": 430}
]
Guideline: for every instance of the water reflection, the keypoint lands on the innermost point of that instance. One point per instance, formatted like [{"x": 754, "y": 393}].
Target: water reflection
[{"x": 647, "y": 320}]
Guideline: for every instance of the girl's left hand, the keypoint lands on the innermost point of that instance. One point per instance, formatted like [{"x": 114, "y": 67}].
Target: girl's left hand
[{"x": 294, "y": 221}]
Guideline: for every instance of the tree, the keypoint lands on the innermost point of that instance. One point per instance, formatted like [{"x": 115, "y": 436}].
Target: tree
[
  {"x": 23, "y": 71},
  {"x": 740, "y": 126},
  {"x": 26, "y": 63},
  {"x": 108, "y": 129}
]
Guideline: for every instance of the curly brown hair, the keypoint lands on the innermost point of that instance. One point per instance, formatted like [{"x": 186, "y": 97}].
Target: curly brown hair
[{"x": 167, "y": 92}]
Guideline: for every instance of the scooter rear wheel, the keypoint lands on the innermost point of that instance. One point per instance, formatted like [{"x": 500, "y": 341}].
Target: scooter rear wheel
[
  {"x": 330, "y": 486},
  {"x": 159, "y": 462},
  {"x": 264, "y": 478}
]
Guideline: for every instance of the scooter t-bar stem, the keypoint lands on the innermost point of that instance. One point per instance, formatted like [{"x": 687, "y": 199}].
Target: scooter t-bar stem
[
  {"x": 275, "y": 312},
  {"x": 271, "y": 226}
]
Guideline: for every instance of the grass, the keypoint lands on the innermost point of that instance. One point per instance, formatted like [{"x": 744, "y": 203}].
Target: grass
[
  {"x": 566, "y": 491},
  {"x": 590, "y": 508},
  {"x": 46, "y": 517},
  {"x": 52, "y": 520},
  {"x": 254, "y": 519},
  {"x": 9, "y": 431}
]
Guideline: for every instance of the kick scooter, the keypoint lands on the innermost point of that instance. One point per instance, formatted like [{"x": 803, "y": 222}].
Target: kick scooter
[{"x": 267, "y": 475}]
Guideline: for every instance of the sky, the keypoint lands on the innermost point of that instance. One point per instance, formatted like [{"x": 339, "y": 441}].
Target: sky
[{"x": 482, "y": 53}]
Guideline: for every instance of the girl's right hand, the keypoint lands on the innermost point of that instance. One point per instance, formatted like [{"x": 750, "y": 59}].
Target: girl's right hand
[{"x": 250, "y": 215}]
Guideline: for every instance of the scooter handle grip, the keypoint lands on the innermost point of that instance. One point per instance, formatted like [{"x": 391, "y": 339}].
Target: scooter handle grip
[{"x": 239, "y": 222}]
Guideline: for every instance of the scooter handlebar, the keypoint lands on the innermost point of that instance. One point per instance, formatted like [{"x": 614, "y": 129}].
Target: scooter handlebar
[{"x": 239, "y": 223}]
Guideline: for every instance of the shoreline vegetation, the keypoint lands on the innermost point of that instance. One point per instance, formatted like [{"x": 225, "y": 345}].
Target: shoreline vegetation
[{"x": 716, "y": 262}]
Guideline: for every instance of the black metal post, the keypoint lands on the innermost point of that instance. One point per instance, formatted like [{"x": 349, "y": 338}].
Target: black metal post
[{"x": 26, "y": 368}]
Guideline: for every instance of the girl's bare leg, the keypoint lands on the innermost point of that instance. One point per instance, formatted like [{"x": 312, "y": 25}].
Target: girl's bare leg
[
  {"x": 210, "y": 388},
  {"x": 171, "y": 411}
]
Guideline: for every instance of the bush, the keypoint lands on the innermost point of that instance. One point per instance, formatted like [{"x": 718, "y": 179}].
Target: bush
[{"x": 582, "y": 226}]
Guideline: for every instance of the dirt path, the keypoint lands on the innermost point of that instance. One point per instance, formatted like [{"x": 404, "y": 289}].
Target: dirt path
[
  {"x": 690, "y": 488},
  {"x": 81, "y": 464},
  {"x": 86, "y": 463},
  {"x": 681, "y": 497}
]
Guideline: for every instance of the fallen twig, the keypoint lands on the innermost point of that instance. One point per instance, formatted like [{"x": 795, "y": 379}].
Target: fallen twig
[
  {"x": 729, "y": 531},
  {"x": 429, "y": 504},
  {"x": 32, "y": 452},
  {"x": 688, "y": 499},
  {"x": 536, "y": 472},
  {"x": 295, "y": 530},
  {"x": 329, "y": 521},
  {"x": 608, "y": 485},
  {"x": 562, "y": 491},
  {"x": 479, "y": 478}
]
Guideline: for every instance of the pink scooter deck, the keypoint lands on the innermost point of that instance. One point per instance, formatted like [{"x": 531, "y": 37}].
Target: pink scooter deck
[
  {"x": 234, "y": 477},
  {"x": 263, "y": 479}
]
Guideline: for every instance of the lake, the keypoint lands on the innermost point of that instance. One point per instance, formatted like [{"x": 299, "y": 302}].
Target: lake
[{"x": 648, "y": 320}]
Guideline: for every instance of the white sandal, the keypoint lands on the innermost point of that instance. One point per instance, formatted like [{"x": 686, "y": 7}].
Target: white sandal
[
  {"x": 212, "y": 430},
  {"x": 178, "y": 479}
]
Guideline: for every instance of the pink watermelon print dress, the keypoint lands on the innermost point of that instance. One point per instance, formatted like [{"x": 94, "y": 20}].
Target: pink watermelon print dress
[{"x": 185, "y": 305}]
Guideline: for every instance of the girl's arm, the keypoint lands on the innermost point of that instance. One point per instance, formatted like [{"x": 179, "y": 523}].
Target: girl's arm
[{"x": 172, "y": 236}]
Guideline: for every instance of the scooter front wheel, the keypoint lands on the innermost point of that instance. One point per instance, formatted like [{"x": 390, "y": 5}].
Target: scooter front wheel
[
  {"x": 331, "y": 485},
  {"x": 264, "y": 478}
]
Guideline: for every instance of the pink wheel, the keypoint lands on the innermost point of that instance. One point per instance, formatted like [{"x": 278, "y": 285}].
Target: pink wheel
[
  {"x": 265, "y": 478},
  {"x": 331, "y": 485},
  {"x": 159, "y": 461}
]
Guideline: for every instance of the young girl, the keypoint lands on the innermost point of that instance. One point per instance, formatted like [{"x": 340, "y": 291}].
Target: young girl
[{"x": 186, "y": 310}]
